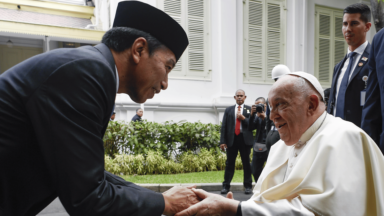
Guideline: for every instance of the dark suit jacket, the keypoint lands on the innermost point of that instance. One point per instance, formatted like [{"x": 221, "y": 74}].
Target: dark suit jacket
[
  {"x": 228, "y": 126},
  {"x": 268, "y": 122},
  {"x": 54, "y": 110},
  {"x": 258, "y": 124},
  {"x": 136, "y": 118},
  {"x": 372, "y": 119},
  {"x": 352, "y": 107}
]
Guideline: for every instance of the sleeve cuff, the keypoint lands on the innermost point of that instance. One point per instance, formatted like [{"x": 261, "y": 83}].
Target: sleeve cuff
[{"x": 239, "y": 213}]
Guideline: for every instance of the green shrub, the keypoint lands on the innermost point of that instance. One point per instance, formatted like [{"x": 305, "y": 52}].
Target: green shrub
[
  {"x": 155, "y": 163},
  {"x": 169, "y": 138},
  {"x": 152, "y": 148}
]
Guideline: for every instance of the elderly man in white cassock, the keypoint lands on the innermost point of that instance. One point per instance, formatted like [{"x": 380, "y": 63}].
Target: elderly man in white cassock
[{"x": 321, "y": 166}]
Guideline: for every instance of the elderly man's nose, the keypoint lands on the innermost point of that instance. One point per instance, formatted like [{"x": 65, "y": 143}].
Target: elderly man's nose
[{"x": 272, "y": 115}]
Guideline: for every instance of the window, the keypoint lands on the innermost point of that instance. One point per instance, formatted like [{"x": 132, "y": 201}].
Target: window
[
  {"x": 193, "y": 16},
  {"x": 264, "y": 39},
  {"x": 330, "y": 46}
]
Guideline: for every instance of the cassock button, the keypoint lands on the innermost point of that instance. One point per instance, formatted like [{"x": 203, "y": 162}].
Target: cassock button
[
  {"x": 295, "y": 154},
  {"x": 290, "y": 166}
]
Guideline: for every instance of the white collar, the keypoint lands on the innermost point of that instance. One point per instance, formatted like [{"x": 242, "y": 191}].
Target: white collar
[
  {"x": 117, "y": 80},
  {"x": 359, "y": 50},
  {"x": 307, "y": 135}
]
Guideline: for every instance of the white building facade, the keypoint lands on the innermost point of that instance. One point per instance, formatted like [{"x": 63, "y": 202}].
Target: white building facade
[
  {"x": 239, "y": 43},
  {"x": 234, "y": 44}
]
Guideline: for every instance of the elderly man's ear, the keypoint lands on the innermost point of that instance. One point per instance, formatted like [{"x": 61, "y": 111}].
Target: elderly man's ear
[{"x": 313, "y": 104}]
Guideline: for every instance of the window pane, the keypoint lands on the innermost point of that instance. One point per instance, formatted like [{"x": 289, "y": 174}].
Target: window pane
[
  {"x": 196, "y": 35},
  {"x": 324, "y": 59}
]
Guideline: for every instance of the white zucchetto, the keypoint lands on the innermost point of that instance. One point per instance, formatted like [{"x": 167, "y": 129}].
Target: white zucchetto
[{"x": 312, "y": 79}]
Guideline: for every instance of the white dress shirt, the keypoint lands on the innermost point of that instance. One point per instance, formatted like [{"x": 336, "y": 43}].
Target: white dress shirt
[
  {"x": 241, "y": 109},
  {"x": 359, "y": 51},
  {"x": 117, "y": 80}
]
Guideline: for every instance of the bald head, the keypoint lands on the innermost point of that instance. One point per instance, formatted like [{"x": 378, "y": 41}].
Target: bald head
[
  {"x": 240, "y": 96},
  {"x": 295, "y": 106}
]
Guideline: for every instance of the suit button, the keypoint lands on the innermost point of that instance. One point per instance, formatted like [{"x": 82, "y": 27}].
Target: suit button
[{"x": 348, "y": 111}]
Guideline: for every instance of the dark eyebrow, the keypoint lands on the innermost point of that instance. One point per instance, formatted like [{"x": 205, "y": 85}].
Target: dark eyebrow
[{"x": 172, "y": 62}]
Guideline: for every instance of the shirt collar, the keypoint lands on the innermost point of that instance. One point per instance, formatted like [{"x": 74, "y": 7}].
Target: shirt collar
[
  {"x": 117, "y": 80},
  {"x": 307, "y": 135},
  {"x": 360, "y": 49}
]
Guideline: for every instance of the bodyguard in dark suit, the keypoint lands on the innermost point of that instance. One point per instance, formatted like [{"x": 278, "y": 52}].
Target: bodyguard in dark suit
[
  {"x": 54, "y": 110},
  {"x": 373, "y": 119},
  {"x": 257, "y": 121},
  {"x": 139, "y": 114},
  {"x": 236, "y": 137},
  {"x": 347, "y": 94}
]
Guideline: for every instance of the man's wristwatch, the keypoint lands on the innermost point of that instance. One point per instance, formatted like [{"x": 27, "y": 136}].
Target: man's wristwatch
[{"x": 239, "y": 213}]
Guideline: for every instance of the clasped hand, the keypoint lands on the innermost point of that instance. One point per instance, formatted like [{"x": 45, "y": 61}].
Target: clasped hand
[
  {"x": 240, "y": 116},
  {"x": 184, "y": 201}
]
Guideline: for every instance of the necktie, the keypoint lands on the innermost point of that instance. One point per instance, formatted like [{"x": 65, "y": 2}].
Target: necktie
[
  {"x": 238, "y": 122},
  {"x": 343, "y": 88}
]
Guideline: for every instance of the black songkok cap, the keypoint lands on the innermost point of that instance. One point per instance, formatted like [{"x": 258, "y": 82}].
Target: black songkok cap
[{"x": 144, "y": 17}]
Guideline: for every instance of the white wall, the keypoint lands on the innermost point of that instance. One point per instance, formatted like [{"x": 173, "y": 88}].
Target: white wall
[{"x": 205, "y": 101}]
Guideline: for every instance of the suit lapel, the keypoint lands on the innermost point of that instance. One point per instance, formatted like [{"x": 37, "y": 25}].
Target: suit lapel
[
  {"x": 336, "y": 76},
  {"x": 232, "y": 112},
  {"x": 361, "y": 62},
  {"x": 332, "y": 95},
  {"x": 244, "y": 110}
]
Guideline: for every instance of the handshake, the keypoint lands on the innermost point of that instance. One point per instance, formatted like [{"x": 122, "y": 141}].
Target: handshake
[{"x": 188, "y": 201}]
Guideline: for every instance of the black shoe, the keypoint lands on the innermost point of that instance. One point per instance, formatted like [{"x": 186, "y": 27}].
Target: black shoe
[
  {"x": 224, "y": 191},
  {"x": 248, "y": 190}
]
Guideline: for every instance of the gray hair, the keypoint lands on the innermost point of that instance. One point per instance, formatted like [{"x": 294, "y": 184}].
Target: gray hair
[
  {"x": 304, "y": 87},
  {"x": 239, "y": 90}
]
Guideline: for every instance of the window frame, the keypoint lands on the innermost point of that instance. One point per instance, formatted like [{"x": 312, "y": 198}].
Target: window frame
[
  {"x": 283, "y": 37},
  {"x": 186, "y": 73},
  {"x": 333, "y": 13}
]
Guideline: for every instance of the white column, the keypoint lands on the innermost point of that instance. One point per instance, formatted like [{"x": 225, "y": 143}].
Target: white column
[
  {"x": 46, "y": 47},
  {"x": 297, "y": 35},
  {"x": 224, "y": 53}
]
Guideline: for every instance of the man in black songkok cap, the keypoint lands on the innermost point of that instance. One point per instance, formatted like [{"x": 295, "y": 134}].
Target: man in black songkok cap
[{"x": 62, "y": 101}]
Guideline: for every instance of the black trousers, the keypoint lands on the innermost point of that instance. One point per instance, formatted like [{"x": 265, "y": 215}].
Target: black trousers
[
  {"x": 245, "y": 151},
  {"x": 257, "y": 165}
]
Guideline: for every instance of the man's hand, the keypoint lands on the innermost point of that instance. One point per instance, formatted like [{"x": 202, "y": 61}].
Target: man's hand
[
  {"x": 179, "y": 198},
  {"x": 223, "y": 147},
  {"x": 253, "y": 109},
  {"x": 261, "y": 115},
  {"x": 240, "y": 116},
  {"x": 212, "y": 204}
]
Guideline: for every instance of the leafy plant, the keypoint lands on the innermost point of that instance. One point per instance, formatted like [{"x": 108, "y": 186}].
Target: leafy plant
[
  {"x": 171, "y": 139},
  {"x": 155, "y": 163}
]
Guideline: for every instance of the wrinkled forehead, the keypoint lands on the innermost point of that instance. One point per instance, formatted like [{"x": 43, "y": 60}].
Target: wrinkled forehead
[{"x": 284, "y": 88}]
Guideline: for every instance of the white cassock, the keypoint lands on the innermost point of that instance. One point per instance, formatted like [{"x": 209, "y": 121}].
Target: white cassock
[{"x": 335, "y": 169}]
